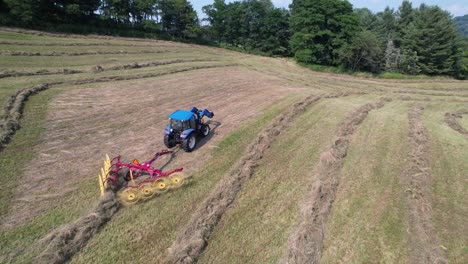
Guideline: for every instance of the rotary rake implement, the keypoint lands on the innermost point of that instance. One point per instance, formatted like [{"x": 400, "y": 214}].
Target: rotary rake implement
[{"x": 141, "y": 180}]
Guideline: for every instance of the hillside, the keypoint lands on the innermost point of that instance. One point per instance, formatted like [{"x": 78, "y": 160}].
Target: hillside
[
  {"x": 300, "y": 165},
  {"x": 462, "y": 24}
]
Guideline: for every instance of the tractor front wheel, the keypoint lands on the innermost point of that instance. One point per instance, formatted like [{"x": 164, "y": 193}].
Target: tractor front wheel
[
  {"x": 169, "y": 141},
  {"x": 205, "y": 130},
  {"x": 189, "y": 143}
]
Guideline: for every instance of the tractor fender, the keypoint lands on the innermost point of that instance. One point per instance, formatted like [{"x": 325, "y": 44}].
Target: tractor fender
[
  {"x": 167, "y": 130},
  {"x": 186, "y": 133}
]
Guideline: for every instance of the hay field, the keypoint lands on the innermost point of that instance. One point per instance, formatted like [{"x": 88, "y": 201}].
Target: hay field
[{"x": 302, "y": 166}]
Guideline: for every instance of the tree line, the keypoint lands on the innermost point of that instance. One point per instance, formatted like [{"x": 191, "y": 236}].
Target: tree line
[
  {"x": 173, "y": 17},
  {"x": 409, "y": 40}
]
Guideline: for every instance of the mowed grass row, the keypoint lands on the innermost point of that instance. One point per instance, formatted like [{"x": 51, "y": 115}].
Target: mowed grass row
[
  {"x": 368, "y": 219},
  {"x": 449, "y": 156},
  {"x": 8, "y": 86},
  {"x": 92, "y": 39},
  {"x": 142, "y": 233},
  {"x": 19, "y": 245},
  {"x": 266, "y": 211},
  {"x": 87, "y": 62}
]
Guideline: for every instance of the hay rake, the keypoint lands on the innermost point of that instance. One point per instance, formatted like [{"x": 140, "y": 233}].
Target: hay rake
[{"x": 158, "y": 182}]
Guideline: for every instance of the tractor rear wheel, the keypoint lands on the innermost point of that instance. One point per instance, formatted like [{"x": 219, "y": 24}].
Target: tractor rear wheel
[
  {"x": 205, "y": 130},
  {"x": 189, "y": 143},
  {"x": 169, "y": 141}
]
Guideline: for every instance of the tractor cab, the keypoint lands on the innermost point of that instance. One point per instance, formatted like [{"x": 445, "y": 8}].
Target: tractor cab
[
  {"x": 182, "y": 120},
  {"x": 184, "y": 128}
]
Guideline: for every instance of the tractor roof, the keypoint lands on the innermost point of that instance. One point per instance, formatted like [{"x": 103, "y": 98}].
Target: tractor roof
[{"x": 182, "y": 115}]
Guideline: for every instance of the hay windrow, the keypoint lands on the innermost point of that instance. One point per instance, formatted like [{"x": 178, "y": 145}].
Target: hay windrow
[
  {"x": 98, "y": 68},
  {"x": 105, "y": 44},
  {"x": 306, "y": 242},
  {"x": 425, "y": 246},
  {"x": 10, "y": 121},
  {"x": 451, "y": 118},
  {"x": 84, "y": 53},
  {"x": 62, "y": 243},
  {"x": 193, "y": 239},
  {"x": 13, "y": 111}
]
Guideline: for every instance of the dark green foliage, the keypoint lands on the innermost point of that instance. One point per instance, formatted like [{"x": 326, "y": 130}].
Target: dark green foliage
[
  {"x": 363, "y": 53},
  {"x": 179, "y": 18},
  {"x": 320, "y": 29},
  {"x": 432, "y": 37},
  {"x": 462, "y": 24},
  {"x": 253, "y": 25},
  {"x": 461, "y": 60}
]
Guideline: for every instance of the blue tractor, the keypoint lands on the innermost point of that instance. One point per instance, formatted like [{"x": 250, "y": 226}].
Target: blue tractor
[{"x": 186, "y": 127}]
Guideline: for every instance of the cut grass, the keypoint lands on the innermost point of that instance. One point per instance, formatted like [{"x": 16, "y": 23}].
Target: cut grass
[
  {"x": 450, "y": 185},
  {"x": 257, "y": 228},
  {"x": 368, "y": 220},
  {"x": 147, "y": 230}
]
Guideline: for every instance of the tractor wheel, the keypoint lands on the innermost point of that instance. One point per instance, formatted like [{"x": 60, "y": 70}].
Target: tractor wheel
[
  {"x": 169, "y": 141},
  {"x": 161, "y": 185},
  {"x": 129, "y": 196},
  {"x": 189, "y": 143},
  {"x": 177, "y": 179},
  {"x": 147, "y": 191},
  {"x": 205, "y": 130}
]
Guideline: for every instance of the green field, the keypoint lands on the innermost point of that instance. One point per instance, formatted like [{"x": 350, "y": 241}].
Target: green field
[{"x": 378, "y": 209}]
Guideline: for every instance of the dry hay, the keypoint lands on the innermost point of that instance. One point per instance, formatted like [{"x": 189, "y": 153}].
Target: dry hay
[
  {"x": 83, "y": 53},
  {"x": 10, "y": 121},
  {"x": 12, "y": 73},
  {"x": 425, "y": 246},
  {"x": 64, "y": 242},
  {"x": 42, "y": 44},
  {"x": 306, "y": 242},
  {"x": 98, "y": 68},
  {"x": 451, "y": 118},
  {"x": 193, "y": 239}
]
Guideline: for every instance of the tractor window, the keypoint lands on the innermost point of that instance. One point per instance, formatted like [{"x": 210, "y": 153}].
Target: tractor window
[
  {"x": 192, "y": 122},
  {"x": 176, "y": 125}
]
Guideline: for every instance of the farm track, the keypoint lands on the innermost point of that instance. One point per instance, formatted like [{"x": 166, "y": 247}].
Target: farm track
[
  {"x": 10, "y": 121},
  {"x": 424, "y": 242},
  {"x": 306, "y": 242},
  {"x": 98, "y": 68},
  {"x": 84, "y": 53},
  {"x": 193, "y": 239},
  {"x": 451, "y": 118}
]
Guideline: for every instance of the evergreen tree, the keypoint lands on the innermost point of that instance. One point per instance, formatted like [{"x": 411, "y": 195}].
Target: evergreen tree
[
  {"x": 432, "y": 37},
  {"x": 179, "y": 18},
  {"x": 320, "y": 29}
]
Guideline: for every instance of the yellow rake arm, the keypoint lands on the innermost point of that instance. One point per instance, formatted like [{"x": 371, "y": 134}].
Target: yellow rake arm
[{"x": 104, "y": 174}]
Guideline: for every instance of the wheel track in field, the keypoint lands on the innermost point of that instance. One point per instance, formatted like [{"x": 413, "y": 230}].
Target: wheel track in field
[
  {"x": 424, "y": 242},
  {"x": 13, "y": 109},
  {"x": 193, "y": 239},
  {"x": 451, "y": 119},
  {"x": 98, "y": 68},
  {"x": 306, "y": 241}
]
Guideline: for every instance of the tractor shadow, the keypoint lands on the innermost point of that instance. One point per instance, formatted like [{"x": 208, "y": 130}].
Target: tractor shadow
[
  {"x": 202, "y": 141},
  {"x": 171, "y": 158}
]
